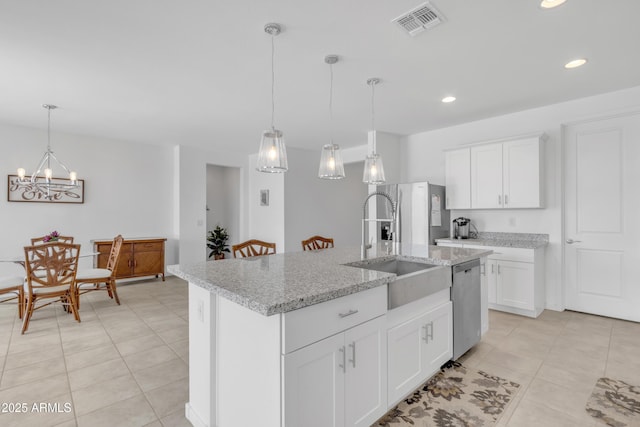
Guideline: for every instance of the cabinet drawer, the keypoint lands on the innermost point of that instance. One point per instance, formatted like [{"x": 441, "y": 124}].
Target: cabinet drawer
[
  {"x": 148, "y": 246},
  {"x": 310, "y": 324},
  {"x": 506, "y": 253}
]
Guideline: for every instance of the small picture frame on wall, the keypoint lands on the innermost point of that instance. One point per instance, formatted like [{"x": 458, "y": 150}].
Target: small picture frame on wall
[
  {"x": 264, "y": 197},
  {"x": 18, "y": 192}
]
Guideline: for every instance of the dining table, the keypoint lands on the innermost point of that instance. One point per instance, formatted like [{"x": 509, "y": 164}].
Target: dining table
[{"x": 19, "y": 259}]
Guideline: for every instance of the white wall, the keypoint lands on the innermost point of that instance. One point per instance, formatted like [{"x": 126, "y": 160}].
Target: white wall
[
  {"x": 191, "y": 189},
  {"x": 423, "y": 158},
  {"x": 265, "y": 222},
  {"x": 127, "y": 191},
  {"x": 330, "y": 208}
]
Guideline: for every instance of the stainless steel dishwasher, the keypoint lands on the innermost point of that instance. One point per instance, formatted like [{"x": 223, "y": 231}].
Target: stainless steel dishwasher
[{"x": 465, "y": 294}]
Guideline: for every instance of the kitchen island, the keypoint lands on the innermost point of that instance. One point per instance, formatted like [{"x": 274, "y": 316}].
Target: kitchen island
[{"x": 301, "y": 338}]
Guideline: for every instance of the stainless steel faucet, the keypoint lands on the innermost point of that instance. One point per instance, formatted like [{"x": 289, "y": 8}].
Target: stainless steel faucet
[{"x": 393, "y": 220}]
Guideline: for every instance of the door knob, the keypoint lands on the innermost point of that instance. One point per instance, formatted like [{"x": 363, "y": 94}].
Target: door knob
[{"x": 571, "y": 241}]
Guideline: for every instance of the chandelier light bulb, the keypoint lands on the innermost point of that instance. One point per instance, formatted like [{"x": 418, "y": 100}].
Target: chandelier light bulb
[
  {"x": 73, "y": 176},
  {"x": 332, "y": 163},
  {"x": 21, "y": 173},
  {"x": 48, "y": 173}
]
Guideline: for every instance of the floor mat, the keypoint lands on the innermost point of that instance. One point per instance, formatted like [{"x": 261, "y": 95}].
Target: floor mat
[
  {"x": 455, "y": 396},
  {"x": 615, "y": 403}
]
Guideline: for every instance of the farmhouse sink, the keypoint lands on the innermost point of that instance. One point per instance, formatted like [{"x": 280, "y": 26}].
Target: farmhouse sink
[{"x": 414, "y": 280}]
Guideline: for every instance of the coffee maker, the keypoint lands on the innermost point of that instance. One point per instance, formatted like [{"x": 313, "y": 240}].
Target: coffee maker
[{"x": 460, "y": 228}]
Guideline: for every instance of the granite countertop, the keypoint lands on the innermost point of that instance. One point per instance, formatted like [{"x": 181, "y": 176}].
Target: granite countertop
[
  {"x": 511, "y": 240},
  {"x": 284, "y": 282}
]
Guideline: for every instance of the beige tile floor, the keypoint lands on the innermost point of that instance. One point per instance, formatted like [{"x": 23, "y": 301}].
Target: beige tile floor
[
  {"x": 556, "y": 359},
  {"x": 122, "y": 365},
  {"x": 127, "y": 365}
]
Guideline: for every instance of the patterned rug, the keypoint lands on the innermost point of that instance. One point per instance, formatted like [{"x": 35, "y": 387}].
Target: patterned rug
[
  {"x": 455, "y": 396},
  {"x": 615, "y": 403}
]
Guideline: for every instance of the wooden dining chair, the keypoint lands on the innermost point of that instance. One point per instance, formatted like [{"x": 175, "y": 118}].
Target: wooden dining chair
[
  {"x": 13, "y": 286},
  {"x": 51, "y": 274},
  {"x": 317, "y": 242},
  {"x": 100, "y": 279},
  {"x": 253, "y": 247},
  {"x": 61, "y": 239}
]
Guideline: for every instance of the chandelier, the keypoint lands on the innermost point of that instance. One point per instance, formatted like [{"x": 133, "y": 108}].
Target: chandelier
[{"x": 42, "y": 180}]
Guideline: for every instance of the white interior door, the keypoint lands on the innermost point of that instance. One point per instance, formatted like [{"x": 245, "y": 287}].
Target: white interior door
[{"x": 602, "y": 208}]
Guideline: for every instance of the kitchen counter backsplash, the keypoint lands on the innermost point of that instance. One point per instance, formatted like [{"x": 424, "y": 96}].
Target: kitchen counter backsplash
[{"x": 496, "y": 238}]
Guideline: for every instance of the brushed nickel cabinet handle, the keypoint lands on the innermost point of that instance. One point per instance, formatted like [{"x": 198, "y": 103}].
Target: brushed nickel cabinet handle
[
  {"x": 353, "y": 353},
  {"x": 343, "y": 365},
  {"x": 347, "y": 314}
]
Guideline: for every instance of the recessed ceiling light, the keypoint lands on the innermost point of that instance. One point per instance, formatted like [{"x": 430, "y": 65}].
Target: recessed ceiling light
[
  {"x": 575, "y": 63},
  {"x": 548, "y": 4},
  {"x": 448, "y": 99}
]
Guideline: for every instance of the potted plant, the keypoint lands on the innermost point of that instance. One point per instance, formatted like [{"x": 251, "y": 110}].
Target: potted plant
[{"x": 217, "y": 242}]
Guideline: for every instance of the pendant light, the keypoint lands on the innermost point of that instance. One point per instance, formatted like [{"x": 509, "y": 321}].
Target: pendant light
[
  {"x": 373, "y": 169},
  {"x": 272, "y": 156},
  {"x": 46, "y": 185},
  {"x": 331, "y": 166}
]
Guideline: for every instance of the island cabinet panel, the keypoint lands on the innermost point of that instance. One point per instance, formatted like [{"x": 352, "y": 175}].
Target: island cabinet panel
[
  {"x": 338, "y": 381},
  {"x": 138, "y": 257},
  {"x": 417, "y": 348},
  {"x": 314, "y": 384}
]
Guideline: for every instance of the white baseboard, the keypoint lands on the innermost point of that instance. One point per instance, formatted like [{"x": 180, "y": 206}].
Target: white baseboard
[{"x": 193, "y": 417}]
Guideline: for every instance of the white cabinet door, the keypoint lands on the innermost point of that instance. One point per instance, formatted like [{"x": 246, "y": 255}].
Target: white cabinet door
[
  {"x": 492, "y": 281},
  {"x": 515, "y": 284},
  {"x": 438, "y": 337},
  {"x": 365, "y": 380},
  {"x": 314, "y": 384},
  {"x": 521, "y": 173},
  {"x": 405, "y": 343},
  {"x": 484, "y": 287},
  {"x": 486, "y": 176},
  {"x": 417, "y": 348},
  {"x": 457, "y": 177}
]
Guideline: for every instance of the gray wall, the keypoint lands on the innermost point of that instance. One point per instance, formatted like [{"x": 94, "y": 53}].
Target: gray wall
[{"x": 331, "y": 208}]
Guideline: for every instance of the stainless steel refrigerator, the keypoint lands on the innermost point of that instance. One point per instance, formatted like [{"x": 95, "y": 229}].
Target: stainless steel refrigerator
[{"x": 420, "y": 212}]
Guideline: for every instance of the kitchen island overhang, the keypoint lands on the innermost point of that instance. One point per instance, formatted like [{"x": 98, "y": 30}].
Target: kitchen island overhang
[{"x": 242, "y": 314}]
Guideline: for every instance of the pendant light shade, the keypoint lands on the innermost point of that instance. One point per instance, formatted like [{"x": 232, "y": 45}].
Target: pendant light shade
[
  {"x": 331, "y": 165},
  {"x": 272, "y": 156},
  {"x": 373, "y": 169}
]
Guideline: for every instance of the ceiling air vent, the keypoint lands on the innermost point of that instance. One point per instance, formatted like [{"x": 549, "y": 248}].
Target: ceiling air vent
[{"x": 419, "y": 19}]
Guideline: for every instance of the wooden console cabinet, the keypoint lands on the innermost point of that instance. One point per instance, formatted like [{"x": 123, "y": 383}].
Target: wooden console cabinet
[{"x": 138, "y": 257}]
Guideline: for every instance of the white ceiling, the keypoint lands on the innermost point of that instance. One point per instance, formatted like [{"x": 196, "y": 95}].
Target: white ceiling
[{"x": 197, "y": 72}]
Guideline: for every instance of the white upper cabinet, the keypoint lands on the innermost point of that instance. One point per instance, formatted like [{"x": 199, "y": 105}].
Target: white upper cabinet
[
  {"x": 521, "y": 173},
  {"x": 457, "y": 178},
  {"x": 498, "y": 175},
  {"x": 486, "y": 176}
]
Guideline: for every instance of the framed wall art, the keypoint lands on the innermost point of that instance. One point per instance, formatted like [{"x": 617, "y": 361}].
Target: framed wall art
[{"x": 27, "y": 192}]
